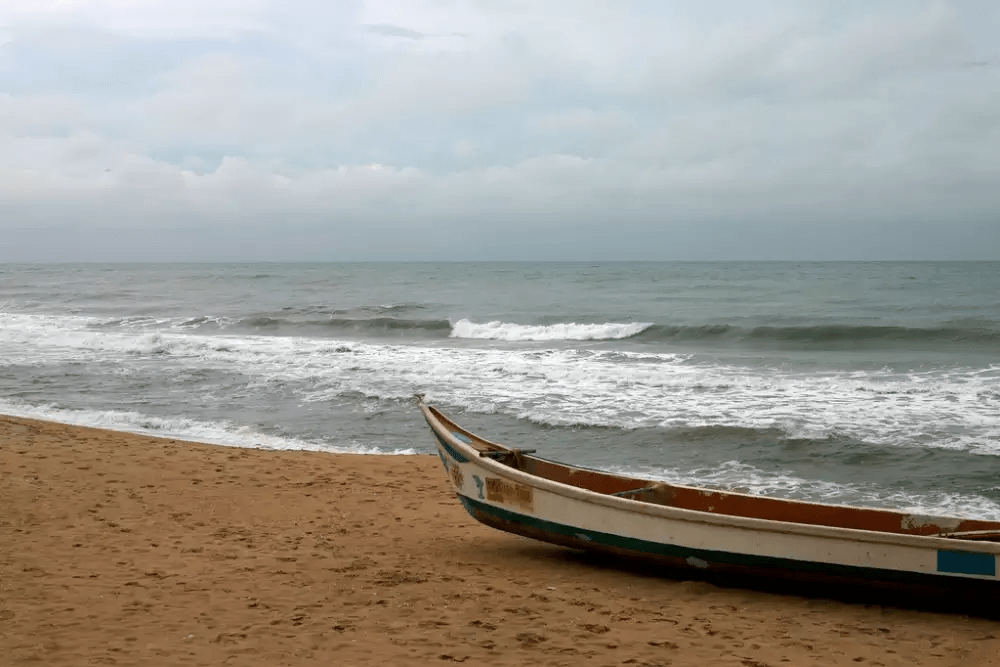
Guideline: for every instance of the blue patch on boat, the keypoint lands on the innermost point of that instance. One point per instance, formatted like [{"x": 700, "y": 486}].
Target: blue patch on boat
[
  {"x": 461, "y": 436},
  {"x": 965, "y": 562}
]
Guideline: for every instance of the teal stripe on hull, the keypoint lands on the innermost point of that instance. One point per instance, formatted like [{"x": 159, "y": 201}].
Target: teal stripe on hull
[
  {"x": 676, "y": 555},
  {"x": 452, "y": 452}
]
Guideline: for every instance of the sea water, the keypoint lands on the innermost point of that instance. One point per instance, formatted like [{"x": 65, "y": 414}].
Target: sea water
[{"x": 872, "y": 384}]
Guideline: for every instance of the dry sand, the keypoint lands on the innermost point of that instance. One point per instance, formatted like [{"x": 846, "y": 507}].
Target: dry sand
[{"x": 127, "y": 550}]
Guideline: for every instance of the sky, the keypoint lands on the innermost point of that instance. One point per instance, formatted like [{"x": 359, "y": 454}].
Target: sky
[{"x": 311, "y": 130}]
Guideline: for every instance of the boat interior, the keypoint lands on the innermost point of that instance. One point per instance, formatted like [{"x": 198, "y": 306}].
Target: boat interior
[{"x": 724, "y": 502}]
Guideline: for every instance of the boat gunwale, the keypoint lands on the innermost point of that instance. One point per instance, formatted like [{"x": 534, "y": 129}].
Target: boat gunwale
[{"x": 699, "y": 516}]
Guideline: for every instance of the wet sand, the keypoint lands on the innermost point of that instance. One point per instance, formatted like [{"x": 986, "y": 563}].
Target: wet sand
[{"x": 128, "y": 550}]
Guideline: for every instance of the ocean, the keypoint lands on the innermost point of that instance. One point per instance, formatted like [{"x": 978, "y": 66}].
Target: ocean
[{"x": 870, "y": 383}]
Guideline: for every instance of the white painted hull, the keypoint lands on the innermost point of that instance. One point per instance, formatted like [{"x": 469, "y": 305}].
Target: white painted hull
[{"x": 513, "y": 500}]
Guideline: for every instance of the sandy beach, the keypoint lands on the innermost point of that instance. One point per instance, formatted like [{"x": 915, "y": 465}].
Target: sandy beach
[{"x": 129, "y": 550}]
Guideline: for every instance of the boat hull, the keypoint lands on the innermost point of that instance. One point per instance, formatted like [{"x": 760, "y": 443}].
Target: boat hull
[
  {"x": 511, "y": 500},
  {"x": 714, "y": 562}
]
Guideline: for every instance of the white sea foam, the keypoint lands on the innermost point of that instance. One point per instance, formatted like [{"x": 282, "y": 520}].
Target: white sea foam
[
  {"x": 956, "y": 408},
  {"x": 193, "y": 430},
  {"x": 551, "y": 332}
]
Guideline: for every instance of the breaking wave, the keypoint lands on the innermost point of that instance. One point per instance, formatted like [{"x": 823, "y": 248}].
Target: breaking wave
[
  {"x": 817, "y": 336},
  {"x": 571, "y": 331}
]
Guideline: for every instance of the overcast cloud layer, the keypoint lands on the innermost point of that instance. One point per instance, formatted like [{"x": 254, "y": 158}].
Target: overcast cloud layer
[{"x": 407, "y": 129}]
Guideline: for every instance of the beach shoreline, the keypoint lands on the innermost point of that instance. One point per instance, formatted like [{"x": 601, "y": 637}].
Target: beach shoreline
[{"x": 118, "y": 548}]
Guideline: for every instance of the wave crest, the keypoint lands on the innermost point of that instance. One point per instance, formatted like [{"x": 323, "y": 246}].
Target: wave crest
[{"x": 565, "y": 331}]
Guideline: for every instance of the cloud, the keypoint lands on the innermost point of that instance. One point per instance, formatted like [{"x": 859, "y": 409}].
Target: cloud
[
  {"x": 394, "y": 31},
  {"x": 482, "y": 124}
]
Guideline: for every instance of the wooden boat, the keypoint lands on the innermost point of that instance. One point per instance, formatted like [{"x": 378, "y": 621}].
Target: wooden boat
[{"x": 713, "y": 530}]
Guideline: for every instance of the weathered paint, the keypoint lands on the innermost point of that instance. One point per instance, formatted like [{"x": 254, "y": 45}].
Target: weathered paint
[
  {"x": 505, "y": 492},
  {"x": 457, "y": 477},
  {"x": 939, "y": 524}
]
